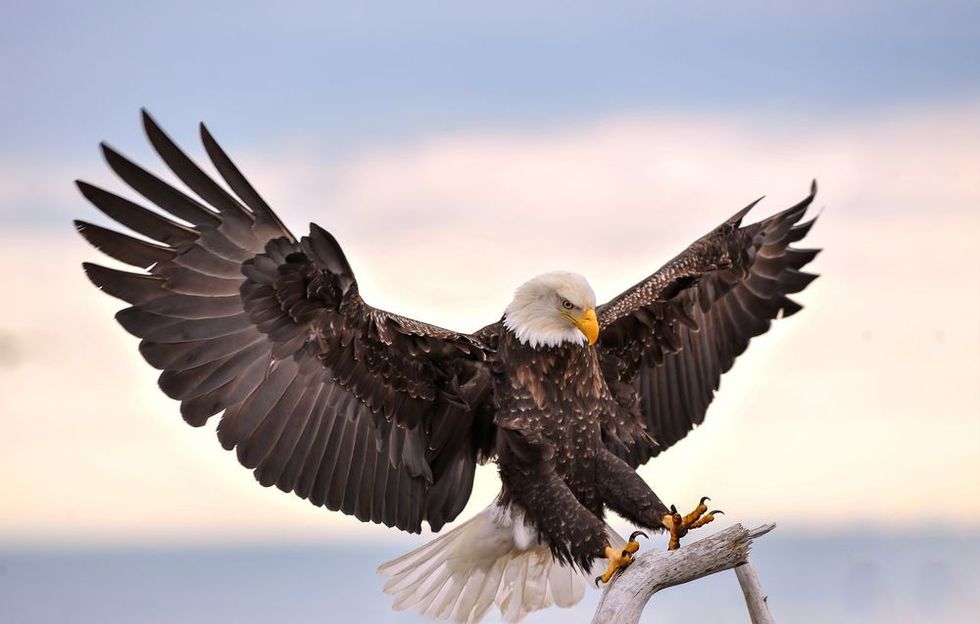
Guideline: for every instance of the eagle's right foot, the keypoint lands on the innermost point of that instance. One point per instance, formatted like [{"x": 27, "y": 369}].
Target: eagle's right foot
[
  {"x": 679, "y": 525},
  {"x": 619, "y": 559}
]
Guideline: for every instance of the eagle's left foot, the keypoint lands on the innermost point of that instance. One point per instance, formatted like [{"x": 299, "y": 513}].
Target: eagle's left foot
[
  {"x": 619, "y": 559},
  {"x": 679, "y": 525}
]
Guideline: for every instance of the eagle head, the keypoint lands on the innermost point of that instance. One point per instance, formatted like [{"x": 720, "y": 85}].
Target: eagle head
[{"x": 553, "y": 309}]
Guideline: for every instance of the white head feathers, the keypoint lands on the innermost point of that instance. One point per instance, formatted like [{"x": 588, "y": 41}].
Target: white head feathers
[{"x": 544, "y": 310}]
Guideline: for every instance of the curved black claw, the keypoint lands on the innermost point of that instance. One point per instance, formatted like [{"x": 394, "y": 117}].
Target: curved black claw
[
  {"x": 673, "y": 509},
  {"x": 635, "y": 533},
  {"x": 704, "y": 498},
  {"x": 597, "y": 579},
  {"x": 715, "y": 512}
]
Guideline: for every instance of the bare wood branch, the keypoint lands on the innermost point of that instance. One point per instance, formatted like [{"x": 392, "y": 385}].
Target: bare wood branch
[
  {"x": 755, "y": 598},
  {"x": 627, "y": 595}
]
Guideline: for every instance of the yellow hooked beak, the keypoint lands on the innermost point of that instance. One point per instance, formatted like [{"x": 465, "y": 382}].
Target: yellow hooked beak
[{"x": 588, "y": 324}]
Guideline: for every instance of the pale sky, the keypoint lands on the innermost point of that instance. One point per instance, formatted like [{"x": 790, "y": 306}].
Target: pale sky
[{"x": 865, "y": 403}]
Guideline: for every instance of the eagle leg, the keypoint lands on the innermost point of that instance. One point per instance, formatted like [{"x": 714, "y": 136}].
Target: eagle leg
[
  {"x": 619, "y": 559},
  {"x": 679, "y": 525}
]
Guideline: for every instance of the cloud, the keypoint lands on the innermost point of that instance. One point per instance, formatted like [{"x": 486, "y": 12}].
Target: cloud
[
  {"x": 578, "y": 198},
  {"x": 866, "y": 400}
]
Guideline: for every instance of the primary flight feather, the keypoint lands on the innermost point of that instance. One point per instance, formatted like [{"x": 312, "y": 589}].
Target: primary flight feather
[{"x": 385, "y": 418}]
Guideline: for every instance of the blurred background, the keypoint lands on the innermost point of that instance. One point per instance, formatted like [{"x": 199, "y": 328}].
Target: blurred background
[{"x": 456, "y": 151}]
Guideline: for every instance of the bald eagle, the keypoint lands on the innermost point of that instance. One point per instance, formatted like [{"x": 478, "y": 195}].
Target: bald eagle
[{"x": 385, "y": 418}]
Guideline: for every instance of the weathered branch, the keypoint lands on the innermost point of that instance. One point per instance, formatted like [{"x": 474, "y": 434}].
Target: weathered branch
[
  {"x": 755, "y": 598},
  {"x": 627, "y": 595}
]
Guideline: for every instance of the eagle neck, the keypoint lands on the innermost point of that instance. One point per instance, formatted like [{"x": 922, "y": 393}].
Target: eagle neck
[{"x": 574, "y": 367}]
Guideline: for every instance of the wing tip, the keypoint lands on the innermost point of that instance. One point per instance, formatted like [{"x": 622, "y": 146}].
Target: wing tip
[
  {"x": 93, "y": 272},
  {"x": 736, "y": 219},
  {"x": 788, "y": 307},
  {"x": 806, "y": 201},
  {"x": 87, "y": 189},
  {"x": 151, "y": 128},
  {"x": 90, "y": 192},
  {"x": 112, "y": 156}
]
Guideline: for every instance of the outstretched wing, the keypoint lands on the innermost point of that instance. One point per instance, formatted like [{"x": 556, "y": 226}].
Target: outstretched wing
[
  {"x": 665, "y": 343},
  {"x": 350, "y": 407}
]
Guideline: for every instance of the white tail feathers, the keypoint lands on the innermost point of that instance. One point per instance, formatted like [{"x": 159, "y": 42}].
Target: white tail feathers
[{"x": 493, "y": 558}]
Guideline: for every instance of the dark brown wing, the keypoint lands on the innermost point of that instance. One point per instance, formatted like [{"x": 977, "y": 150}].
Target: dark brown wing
[
  {"x": 665, "y": 343},
  {"x": 351, "y": 407}
]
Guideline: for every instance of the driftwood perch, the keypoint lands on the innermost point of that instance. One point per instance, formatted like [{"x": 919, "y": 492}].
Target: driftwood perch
[{"x": 627, "y": 595}]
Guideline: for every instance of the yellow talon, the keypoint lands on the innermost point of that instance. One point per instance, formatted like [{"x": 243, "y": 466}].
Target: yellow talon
[
  {"x": 619, "y": 559},
  {"x": 679, "y": 525},
  {"x": 692, "y": 517}
]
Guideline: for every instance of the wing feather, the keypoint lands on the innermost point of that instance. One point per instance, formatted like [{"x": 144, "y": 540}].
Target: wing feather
[
  {"x": 137, "y": 218},
  {"x": 353, "y": 408},
  {"x": 192, "y": 175},
  {"x": 159, "y": 192},
  {"x": 672, "y": 336},
  {"x": 183, "y": 355},
  {"x": 127, "y": 249},
  {"x": 267, "y": 222}
]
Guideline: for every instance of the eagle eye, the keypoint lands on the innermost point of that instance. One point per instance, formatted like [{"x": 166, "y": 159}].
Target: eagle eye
[{"x": 565, "y": 303}]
